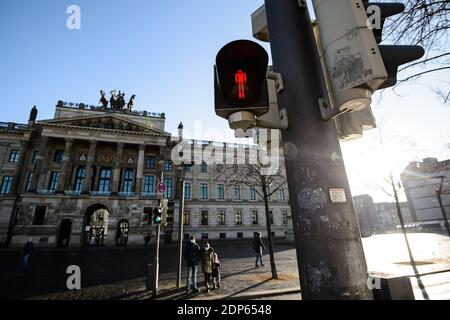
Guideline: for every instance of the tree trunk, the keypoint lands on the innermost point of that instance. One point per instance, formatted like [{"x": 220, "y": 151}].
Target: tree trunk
[{"x": 269, "y": 235}]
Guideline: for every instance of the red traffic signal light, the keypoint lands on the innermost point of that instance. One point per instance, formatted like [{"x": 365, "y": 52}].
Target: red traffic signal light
[{"x": 240, "y": 79}]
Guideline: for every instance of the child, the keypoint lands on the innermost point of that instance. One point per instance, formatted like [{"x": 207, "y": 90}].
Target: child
[{"x": 216, "y": 271}]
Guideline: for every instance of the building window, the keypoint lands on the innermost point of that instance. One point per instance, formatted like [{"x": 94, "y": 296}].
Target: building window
[
  {"x": 237, "y": 192},
  {"x": 281, "y": 195},
  {"x": 128, "y": 181},
  {"x": 203, "y": 191},
  {"x": 252, "y": 193},
  {"x": 34, "y": 156},
  {"x": 204, "y": 236},
  {"x": 187, "y": 217},
  {"x": 203, "y": 167},
  {"x": 54, "y": 178},
  {"x": 29, "y": 180},
  {"x": 204, "y": 218},
  {"x": 255, "y": 217},
  {"x": 240, "y": 235},
  {"x": 79, "y": 179},
  {"x": 6, "y": 184},
  {"x": 169, "y": 192},
  {"x": 220, "y": 192},
  {"x": 148, "y": 184},
  {"x": 150, "y": 162},
  {"x": 105, "y": 180},
  {"x": 168, "y": 166},
  {"x": 39, "y": 215},
  {"x": 238, "y": 217},
  {"x": 285, "y": 217},
  {"x": 187, "y": 168},
  {"x": 14, "y": 155},
  {"x": 222, "y": 235},
  {"x": 271, "y": 217},
  {"x": 221, "y": 218},
  {"x": 187, "y": 190},
  {"x": 59, "y": 155}
]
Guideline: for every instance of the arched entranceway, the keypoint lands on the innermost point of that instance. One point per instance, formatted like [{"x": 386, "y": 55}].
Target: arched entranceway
[
  {"x": 122, "y": 233},
  {"x": 65, "y": 229},
  {"x": 96, "y": 225}
]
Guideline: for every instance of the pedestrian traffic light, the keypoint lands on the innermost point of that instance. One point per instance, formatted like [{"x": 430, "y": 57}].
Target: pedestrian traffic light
[
  {"x": 240, "y": 83},
  {"x": 356, "y": 64},
  {"x": 157, "y": 215}
]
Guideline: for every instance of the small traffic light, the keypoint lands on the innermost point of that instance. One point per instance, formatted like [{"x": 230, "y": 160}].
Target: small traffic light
[
  {"x": 157, "y": 215},
  {"x": 240, "y": 83}
]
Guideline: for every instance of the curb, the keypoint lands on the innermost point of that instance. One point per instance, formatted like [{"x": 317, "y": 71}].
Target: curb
[{"x": 256, "y": 294}]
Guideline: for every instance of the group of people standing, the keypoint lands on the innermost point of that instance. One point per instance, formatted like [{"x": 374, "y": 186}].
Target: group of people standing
[
  {"x": 210, "y": 263},
  {"x": 209, "y": 260}
]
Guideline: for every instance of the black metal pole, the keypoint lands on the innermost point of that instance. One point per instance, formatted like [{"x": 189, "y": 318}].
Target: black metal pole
[
  {"x": 180, "y": 233},
  {"x": 329, "y": 248},
  {"x": 156, "y": 259}
]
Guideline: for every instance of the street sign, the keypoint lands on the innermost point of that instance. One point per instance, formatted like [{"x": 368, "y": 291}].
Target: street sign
[{"x": 161, "y": 187}]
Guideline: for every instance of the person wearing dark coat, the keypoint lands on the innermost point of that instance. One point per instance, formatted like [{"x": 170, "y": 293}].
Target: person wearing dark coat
[
  {"x": 27, "y": 251},
  {"x": 192, "y": 257},
  {"x": 258, "y": 246}
]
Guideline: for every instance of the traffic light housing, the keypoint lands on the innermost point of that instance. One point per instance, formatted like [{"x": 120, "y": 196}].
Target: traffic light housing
[
  {"x": 356, "y": 64},
  {"x": 393, "y": 55},
  {"x": 240, "y": 87},
  {"x": 157, "y": 215}
]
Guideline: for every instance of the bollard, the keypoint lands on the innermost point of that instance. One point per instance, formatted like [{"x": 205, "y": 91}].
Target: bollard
[{"x": 150, "y": 277}]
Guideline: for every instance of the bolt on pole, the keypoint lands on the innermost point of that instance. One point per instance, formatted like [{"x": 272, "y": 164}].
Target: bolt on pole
[{"x": 329, "y": 248}]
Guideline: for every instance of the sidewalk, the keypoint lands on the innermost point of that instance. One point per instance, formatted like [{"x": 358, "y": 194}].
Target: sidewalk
[{"x": 240, "y": 281}]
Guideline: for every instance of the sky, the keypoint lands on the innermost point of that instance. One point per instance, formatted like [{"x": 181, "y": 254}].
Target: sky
[{"x": 164, "y": 52}]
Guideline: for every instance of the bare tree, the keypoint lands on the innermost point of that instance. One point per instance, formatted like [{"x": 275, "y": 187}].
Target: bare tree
[
  {"x": 425, "y": 23},
  {"x": 254, "y": 175}
]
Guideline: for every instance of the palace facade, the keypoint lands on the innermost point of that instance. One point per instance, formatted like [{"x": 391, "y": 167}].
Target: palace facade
[{"x": 88, "y": 177}]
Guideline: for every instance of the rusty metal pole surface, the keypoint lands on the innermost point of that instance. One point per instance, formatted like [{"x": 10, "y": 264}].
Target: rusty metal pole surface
[{"x": 329, "y": 248}]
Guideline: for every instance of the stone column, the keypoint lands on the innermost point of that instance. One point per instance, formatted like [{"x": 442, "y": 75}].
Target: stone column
[
  {"x": 63, "y": 179},
  {"x": 41, "y": 165},
  {"x": 140, "y": 168},
  {"x": 89, "y": 163},
  {"x": 117, "y": 165},
  {"x": 20, "y": 173}
]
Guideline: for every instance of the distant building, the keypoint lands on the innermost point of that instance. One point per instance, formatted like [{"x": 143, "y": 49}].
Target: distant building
[
  {"x": 420, "y": 181},
  {"x": 366, "y": 214},
  {"x": 88, "y": 177},
  {"x": 387, "y": 216},
  {"x": 375, "y": 218}
]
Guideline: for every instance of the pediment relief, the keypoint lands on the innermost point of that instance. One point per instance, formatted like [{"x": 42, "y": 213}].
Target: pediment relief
[{"x": 105, "y": 122}]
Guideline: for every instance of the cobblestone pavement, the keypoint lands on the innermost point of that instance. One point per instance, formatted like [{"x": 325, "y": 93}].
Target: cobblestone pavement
[{"x": 240, "y": 280}]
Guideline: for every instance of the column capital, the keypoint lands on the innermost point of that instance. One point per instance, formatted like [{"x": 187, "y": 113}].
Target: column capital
[
  {"x": 120, "y": 145},
  {"x": 142, "y": 147}
]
